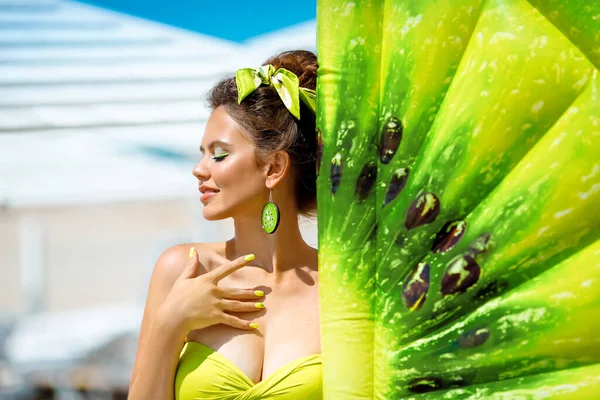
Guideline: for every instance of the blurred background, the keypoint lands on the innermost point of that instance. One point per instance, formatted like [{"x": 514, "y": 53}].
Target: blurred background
[{"x": 101, "y": 114}]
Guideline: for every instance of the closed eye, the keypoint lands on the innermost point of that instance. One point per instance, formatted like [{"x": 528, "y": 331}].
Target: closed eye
[{"x": 220, "y": 157}]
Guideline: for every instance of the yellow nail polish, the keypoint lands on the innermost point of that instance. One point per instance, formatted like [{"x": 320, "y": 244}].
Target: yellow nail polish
[
  {"x": 259, "y": 293},
  {"x": 259, "y": 305},
  {"x": 254, "y": 325},
  {"x": 191, "y": 253},
  {"x": 249, "y": 257}
]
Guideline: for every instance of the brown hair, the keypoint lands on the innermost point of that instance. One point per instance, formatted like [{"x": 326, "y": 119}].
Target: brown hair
[{"x": 266, "y": 121}]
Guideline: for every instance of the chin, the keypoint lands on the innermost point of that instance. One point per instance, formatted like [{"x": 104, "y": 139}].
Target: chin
[{"x": 210, "y": 216}]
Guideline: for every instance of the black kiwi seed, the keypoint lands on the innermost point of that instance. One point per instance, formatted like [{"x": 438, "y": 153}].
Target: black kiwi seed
[
  {"x": 335, "y": 172},
  {"x": 449, "y": 236},
  {"x": 474, "y": 338},
  {"x": 366, "y": 180},
  {"x": 414, "y": 292},
  {"x": 391, "y": 135},
  {"x": 397, "y": 183},
  {"x": 425, "y": 384},
  {"x": 423, "y": 210},
  {"x": 462, "y": 273}
]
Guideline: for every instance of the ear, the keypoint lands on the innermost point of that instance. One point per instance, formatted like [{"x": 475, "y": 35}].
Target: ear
[{"x": 277, "y": 167}]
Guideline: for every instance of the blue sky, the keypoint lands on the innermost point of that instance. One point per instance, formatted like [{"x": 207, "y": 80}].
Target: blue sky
[{"x": 232, "y": 20}]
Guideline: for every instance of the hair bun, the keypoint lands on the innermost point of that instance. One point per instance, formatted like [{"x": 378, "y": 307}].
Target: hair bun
[{"x": 303, "y": 63}]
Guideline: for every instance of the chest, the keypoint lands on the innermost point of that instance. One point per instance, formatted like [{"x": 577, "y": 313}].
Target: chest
[{"x": 288, "y": 329}]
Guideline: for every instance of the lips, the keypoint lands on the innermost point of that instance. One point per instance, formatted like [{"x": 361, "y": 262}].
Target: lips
[{"x": 208, "y": 194}]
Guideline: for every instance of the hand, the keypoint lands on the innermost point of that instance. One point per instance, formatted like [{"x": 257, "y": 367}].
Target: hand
[{"x": 195, "y": 301}]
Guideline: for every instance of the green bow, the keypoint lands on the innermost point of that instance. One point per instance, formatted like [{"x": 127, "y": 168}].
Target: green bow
[{"x": 285, "y": 83}]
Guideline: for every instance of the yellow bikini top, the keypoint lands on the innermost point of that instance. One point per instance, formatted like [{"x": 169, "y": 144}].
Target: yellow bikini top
[{"x": 203, "y": 373}]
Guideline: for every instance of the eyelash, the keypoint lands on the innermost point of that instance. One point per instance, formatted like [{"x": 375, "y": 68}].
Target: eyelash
[{"x": 220, "y": 157}]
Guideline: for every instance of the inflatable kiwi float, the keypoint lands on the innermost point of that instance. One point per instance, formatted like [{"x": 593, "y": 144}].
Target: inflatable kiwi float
[{"x": 459, "y": 198}]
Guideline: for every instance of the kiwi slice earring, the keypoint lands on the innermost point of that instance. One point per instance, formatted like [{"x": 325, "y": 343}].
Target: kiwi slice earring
[{"x": 270, "y": 215}]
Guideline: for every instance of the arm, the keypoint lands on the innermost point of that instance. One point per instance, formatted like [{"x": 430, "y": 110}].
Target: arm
[{"x": 161, "y": 340}]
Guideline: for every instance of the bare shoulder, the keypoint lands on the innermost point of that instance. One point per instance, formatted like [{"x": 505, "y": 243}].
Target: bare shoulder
[
  {"x": 172, "y": 261},
  {"x": 168, "y": 268}
]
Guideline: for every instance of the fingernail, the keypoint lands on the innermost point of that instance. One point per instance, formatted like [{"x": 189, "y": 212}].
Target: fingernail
[
  {"x": 249, "y": 257},
  {"x": 192, "y": 250},
  {"x": 259, "y": 293},
  {"x": 253, "y": 325},
  {"x": 259, "y": 305}
]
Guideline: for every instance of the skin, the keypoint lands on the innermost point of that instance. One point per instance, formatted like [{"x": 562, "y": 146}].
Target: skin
[{"x": 285, "y": 268}]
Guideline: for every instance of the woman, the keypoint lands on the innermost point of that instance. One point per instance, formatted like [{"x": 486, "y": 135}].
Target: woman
[{"x": 246, "y": 328}]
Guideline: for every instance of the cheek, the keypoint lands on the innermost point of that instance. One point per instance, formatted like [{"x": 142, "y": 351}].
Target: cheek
[{"x": 239, "y": 174}]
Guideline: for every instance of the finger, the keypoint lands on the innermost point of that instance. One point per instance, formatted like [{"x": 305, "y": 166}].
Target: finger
[
  {"x": 215, "y": 257},
  {"x": 239, "y": 323},
  {"x": 240, "y": 306},
  {"x": 191, "y": 268},
  {"x": 240, "y": 294},
  {"x": 221, "y": 272},
  {"x": 219, "y": 258}
]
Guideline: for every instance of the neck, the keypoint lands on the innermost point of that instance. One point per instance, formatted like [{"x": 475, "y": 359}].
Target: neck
[{"x": 277, "y": 253}]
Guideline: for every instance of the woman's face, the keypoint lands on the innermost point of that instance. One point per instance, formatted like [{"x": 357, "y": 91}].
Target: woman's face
[{"x": 228, "y": 165}]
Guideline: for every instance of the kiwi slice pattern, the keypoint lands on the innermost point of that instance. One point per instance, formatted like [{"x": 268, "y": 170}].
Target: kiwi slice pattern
[
  {"x": 458, "y": 193},
  {"x": 270, "y": 217}
]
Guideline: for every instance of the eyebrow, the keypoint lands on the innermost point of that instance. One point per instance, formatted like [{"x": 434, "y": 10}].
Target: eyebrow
[{"x": 211, "y": 144}]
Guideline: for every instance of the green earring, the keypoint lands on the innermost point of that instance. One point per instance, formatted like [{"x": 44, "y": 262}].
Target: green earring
[{"x": 270, "y": 215}]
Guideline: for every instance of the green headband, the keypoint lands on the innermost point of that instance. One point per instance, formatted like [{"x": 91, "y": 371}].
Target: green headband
[{"x": 285, "y": 83}]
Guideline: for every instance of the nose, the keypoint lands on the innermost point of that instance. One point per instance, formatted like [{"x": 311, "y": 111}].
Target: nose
[{"x": 200, "y": 171}]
